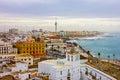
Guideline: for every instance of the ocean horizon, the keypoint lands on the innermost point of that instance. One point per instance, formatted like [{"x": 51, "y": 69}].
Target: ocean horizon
[{"x": 107, "y": 45}]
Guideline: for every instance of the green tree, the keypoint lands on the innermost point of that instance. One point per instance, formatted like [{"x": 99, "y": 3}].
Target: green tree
[
  {"x": 113, "y": 57},
  {"x": 89, "y": 57},
  {"x": 52, "y": 48},
  {"x": 99, "y": 54},
  {"x": 58, "y": 47},
  {"x": 88, "y": 52},
  {"x": 108, "y": 58},
  {"x": 38, "y": 39},
  {"x": 64, "y": 49}
]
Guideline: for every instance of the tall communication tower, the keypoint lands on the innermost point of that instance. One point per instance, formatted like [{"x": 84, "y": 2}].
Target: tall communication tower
[{"x": 56, "y": 25}]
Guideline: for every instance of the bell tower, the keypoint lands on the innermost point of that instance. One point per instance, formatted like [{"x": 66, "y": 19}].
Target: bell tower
[{"x": 73, "y": 55}]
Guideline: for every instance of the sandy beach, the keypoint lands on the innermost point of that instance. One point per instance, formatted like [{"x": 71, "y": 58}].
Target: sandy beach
[{"x": 95, "y": 37}]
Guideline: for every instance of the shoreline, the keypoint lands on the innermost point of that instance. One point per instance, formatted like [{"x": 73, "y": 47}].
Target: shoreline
[
  {"x": 101, "y": 35},
  {"x": 92, "y": 37},
  {"x": 114, "y": 62},
  {"x": 87, "y": 37}
]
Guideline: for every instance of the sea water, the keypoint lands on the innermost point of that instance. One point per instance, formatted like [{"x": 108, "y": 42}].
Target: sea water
[{"x": 106, "y": 45}]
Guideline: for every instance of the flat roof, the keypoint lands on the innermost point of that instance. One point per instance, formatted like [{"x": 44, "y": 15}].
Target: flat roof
[
  {"x": 24, "y": 55},
  {"x": 56, "y": 63}
]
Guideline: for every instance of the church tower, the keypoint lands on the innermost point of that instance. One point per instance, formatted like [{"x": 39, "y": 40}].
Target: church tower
[{"x": 73, "y": 55}]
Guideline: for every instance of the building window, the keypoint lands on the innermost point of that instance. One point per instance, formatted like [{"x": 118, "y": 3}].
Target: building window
[
  {"x": 60, "y": 72},
  {"x": 68, "y": 70},
  {"x": 95, "y": 74},
  {"x": 68, "y": 58},
  {"x": 25, "y": 59},
  {"x": 86, "y": 72},
  {"x": 100, "y": 78},
  {"x": 29, "y": 58},
  {"x": 71, "y": 58}
]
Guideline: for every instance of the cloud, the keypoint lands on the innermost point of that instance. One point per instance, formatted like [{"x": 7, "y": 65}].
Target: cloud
[
  {"x": 80, "y": 8},
  {"x": 103, "y": 1},
  {"x": 28, "y": 1},
  {"x": 64, "y": 23},
  {"x": 49, "y": 20}
]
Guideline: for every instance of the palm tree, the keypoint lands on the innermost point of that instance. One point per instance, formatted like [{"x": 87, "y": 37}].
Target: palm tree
[
  {"x": 88, "y": 52},
  {"x": 113, "y": 57},
  {"x": 99, "y": 55},
  {"x": 108, "y": 58}
]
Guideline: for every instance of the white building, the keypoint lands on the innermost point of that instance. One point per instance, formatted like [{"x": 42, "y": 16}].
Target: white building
[
  {"x": 24, "y": 75},
  {"x": 15, "y": 69},
  {"x": 69, "y": 69},
  {"x": 64, "y": 69},
  {"x": 13, "y": 31},
  {"x": 19, "y": 67},
  {"x": 6, "y": 48},
  {"x": 90, "y": 73},
  {"x": 25, "y": 57}
]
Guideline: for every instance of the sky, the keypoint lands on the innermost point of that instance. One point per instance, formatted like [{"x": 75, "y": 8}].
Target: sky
[{"x": 92, "y": 15}]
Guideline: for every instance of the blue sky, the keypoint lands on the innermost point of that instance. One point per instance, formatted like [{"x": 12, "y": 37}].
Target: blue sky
[{"x": 43, "y": 12}]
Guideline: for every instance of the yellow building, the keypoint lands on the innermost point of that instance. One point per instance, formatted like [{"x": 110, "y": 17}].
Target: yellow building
[
  {"x": 25, "y": 57},
  {"x": 34, "y": 48}
]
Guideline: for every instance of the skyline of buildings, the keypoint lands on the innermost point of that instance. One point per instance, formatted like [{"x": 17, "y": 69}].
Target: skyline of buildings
[
  {"x": 93, "y": 15},
  {"x": 41, "y": 39},
  {"x": 66, "y": 24},
  {"x": 38, "y": 53}
]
